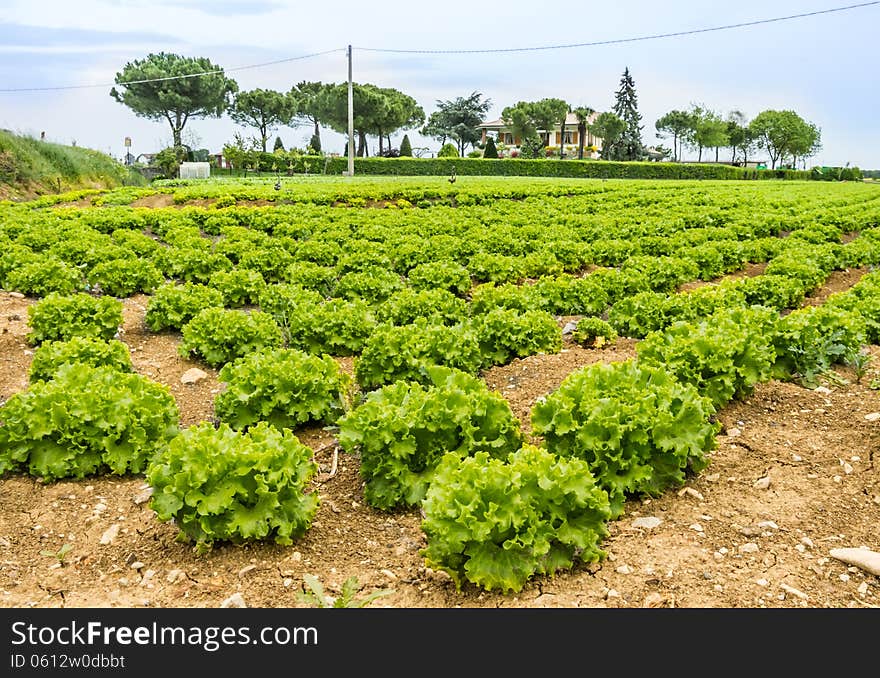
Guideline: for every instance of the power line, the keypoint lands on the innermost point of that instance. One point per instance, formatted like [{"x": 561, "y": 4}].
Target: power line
[
  {"x": 174, "y": 77},
  {"x": 617, "y": 41},
  {"x": 452, "y": 51}
]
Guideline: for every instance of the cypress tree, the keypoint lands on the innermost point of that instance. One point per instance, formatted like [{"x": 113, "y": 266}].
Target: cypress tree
[
  {"x": 491, "y": 151},
  {"x": 278, "y": 144},
  {"x": 405, "y": 147},
  {"x": 629, "y": 145}
]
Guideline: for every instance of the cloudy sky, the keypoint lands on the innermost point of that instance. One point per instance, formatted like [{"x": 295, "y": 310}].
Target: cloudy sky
[{"x": 824, "y": 67}]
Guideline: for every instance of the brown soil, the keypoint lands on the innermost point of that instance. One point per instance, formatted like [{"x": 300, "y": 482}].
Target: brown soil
[
  {"x": 838, "y": 281},
  {"x": 155, "y": 200},
  {"x": 793, "y": 476},
  {"x": 749, "y": 271}
]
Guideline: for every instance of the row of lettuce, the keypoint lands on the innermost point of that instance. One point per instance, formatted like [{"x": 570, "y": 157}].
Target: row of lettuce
[
  {"x": 429, "y": 433},
  {"x": 497, "y": 511}
]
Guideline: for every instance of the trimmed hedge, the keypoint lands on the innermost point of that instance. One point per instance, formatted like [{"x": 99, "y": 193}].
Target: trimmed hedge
[{"x": 586, "y": 169}]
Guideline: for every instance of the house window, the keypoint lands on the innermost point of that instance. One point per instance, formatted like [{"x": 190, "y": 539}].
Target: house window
[
  {"x": 508, "y": 138},
  {"x": 569, "y": 139}
]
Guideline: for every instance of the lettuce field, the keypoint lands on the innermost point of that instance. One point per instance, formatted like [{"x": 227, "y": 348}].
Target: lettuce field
[{"x": 498, "y": 392}]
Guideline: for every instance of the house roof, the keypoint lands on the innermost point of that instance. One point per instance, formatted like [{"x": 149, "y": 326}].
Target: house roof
[{"x": 571, "y": 119}]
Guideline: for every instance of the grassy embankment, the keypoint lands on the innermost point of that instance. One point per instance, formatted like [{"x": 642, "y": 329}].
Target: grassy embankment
[{"x": 30, "y": 168}]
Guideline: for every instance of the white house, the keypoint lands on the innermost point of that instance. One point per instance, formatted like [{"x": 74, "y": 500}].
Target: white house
[{"x": 553, "y": 138}]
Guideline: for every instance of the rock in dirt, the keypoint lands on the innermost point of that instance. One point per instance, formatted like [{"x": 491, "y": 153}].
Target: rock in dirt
[
  {"x": 16, "y": 295},
  {"x": 175, "y": 576},
  {"x": 647, "y": 523},
  {"x": 143, "y": 496},
  {"x": 762, "y": 483},
  {"x": 193, "y": 376},
  {"x": 569, "y": 328},
  {"x": 793, "y": 591},
  {"x": 654, "y": 599},
  {"x": 110, "y": 534},
  {"x": 874, "y": 416},
  {"x": 235, "y": 600},
  {"x": 863, "y": 558}
]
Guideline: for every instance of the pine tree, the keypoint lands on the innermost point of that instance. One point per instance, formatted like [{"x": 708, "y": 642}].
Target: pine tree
[
  {"x": 405, "y": 147},
  {"x": 629, "y": 145},
  {"x": 279, "y": 145},
  {"x": 491, "y": 151}
]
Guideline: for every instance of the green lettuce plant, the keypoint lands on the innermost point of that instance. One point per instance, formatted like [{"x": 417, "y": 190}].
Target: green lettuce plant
[
  {"x": 85, "y": 420},
  {"x": 218, "y": 484},
  {"x": 59, "y": 317},
  {"x": 284, "y": 387},
  {"x": 638, "y": 428},
  {"x": 51, "y": 355},
  {"x": 403, "y": 429},
  {"x": 497, "y": 523}
]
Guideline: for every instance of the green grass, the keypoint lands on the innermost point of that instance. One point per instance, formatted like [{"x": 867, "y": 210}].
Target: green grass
[{"x": 29, "y": 166}]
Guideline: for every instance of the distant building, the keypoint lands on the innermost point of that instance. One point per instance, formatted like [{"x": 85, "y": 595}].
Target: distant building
[{"x": 554, "y": 137}]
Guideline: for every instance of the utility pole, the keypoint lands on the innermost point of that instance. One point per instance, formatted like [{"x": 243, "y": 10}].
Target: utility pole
[{"x": 350, "y": 119}]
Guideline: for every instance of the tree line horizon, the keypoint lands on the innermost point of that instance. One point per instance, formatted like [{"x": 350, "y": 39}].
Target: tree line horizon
[{"x": 176, "y": 89}]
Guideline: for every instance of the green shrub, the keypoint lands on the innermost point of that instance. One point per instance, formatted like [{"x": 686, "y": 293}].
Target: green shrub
[
  {"x": 448, "y": 150},
  {"x": 84, "y": 420},
  {"x": 284, "y": 387},
  {"x": 498, "y": 523},
  {"x": 405, "y": 147},
  {"x": 491, "y": 150},
  {"x": 550, "y": 167},
  {"x": 403, "y": 429},
  {"x": 220, "y": 485},
  {"x": 59, "y": 317},
  {"x": 532, "y": 148},
  {"x": 51, "y": 355}
]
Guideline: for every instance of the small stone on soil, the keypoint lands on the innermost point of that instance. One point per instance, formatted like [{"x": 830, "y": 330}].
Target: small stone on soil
[
  {"x": 647, "y": 523},
  {"x": 193, "y": 376},
  {"x": 235, "y": 600}
]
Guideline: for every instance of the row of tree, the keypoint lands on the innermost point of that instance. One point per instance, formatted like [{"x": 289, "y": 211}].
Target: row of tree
[
  {"x": 784, "y": 135},
  {"x": 175, "y": 88}
]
